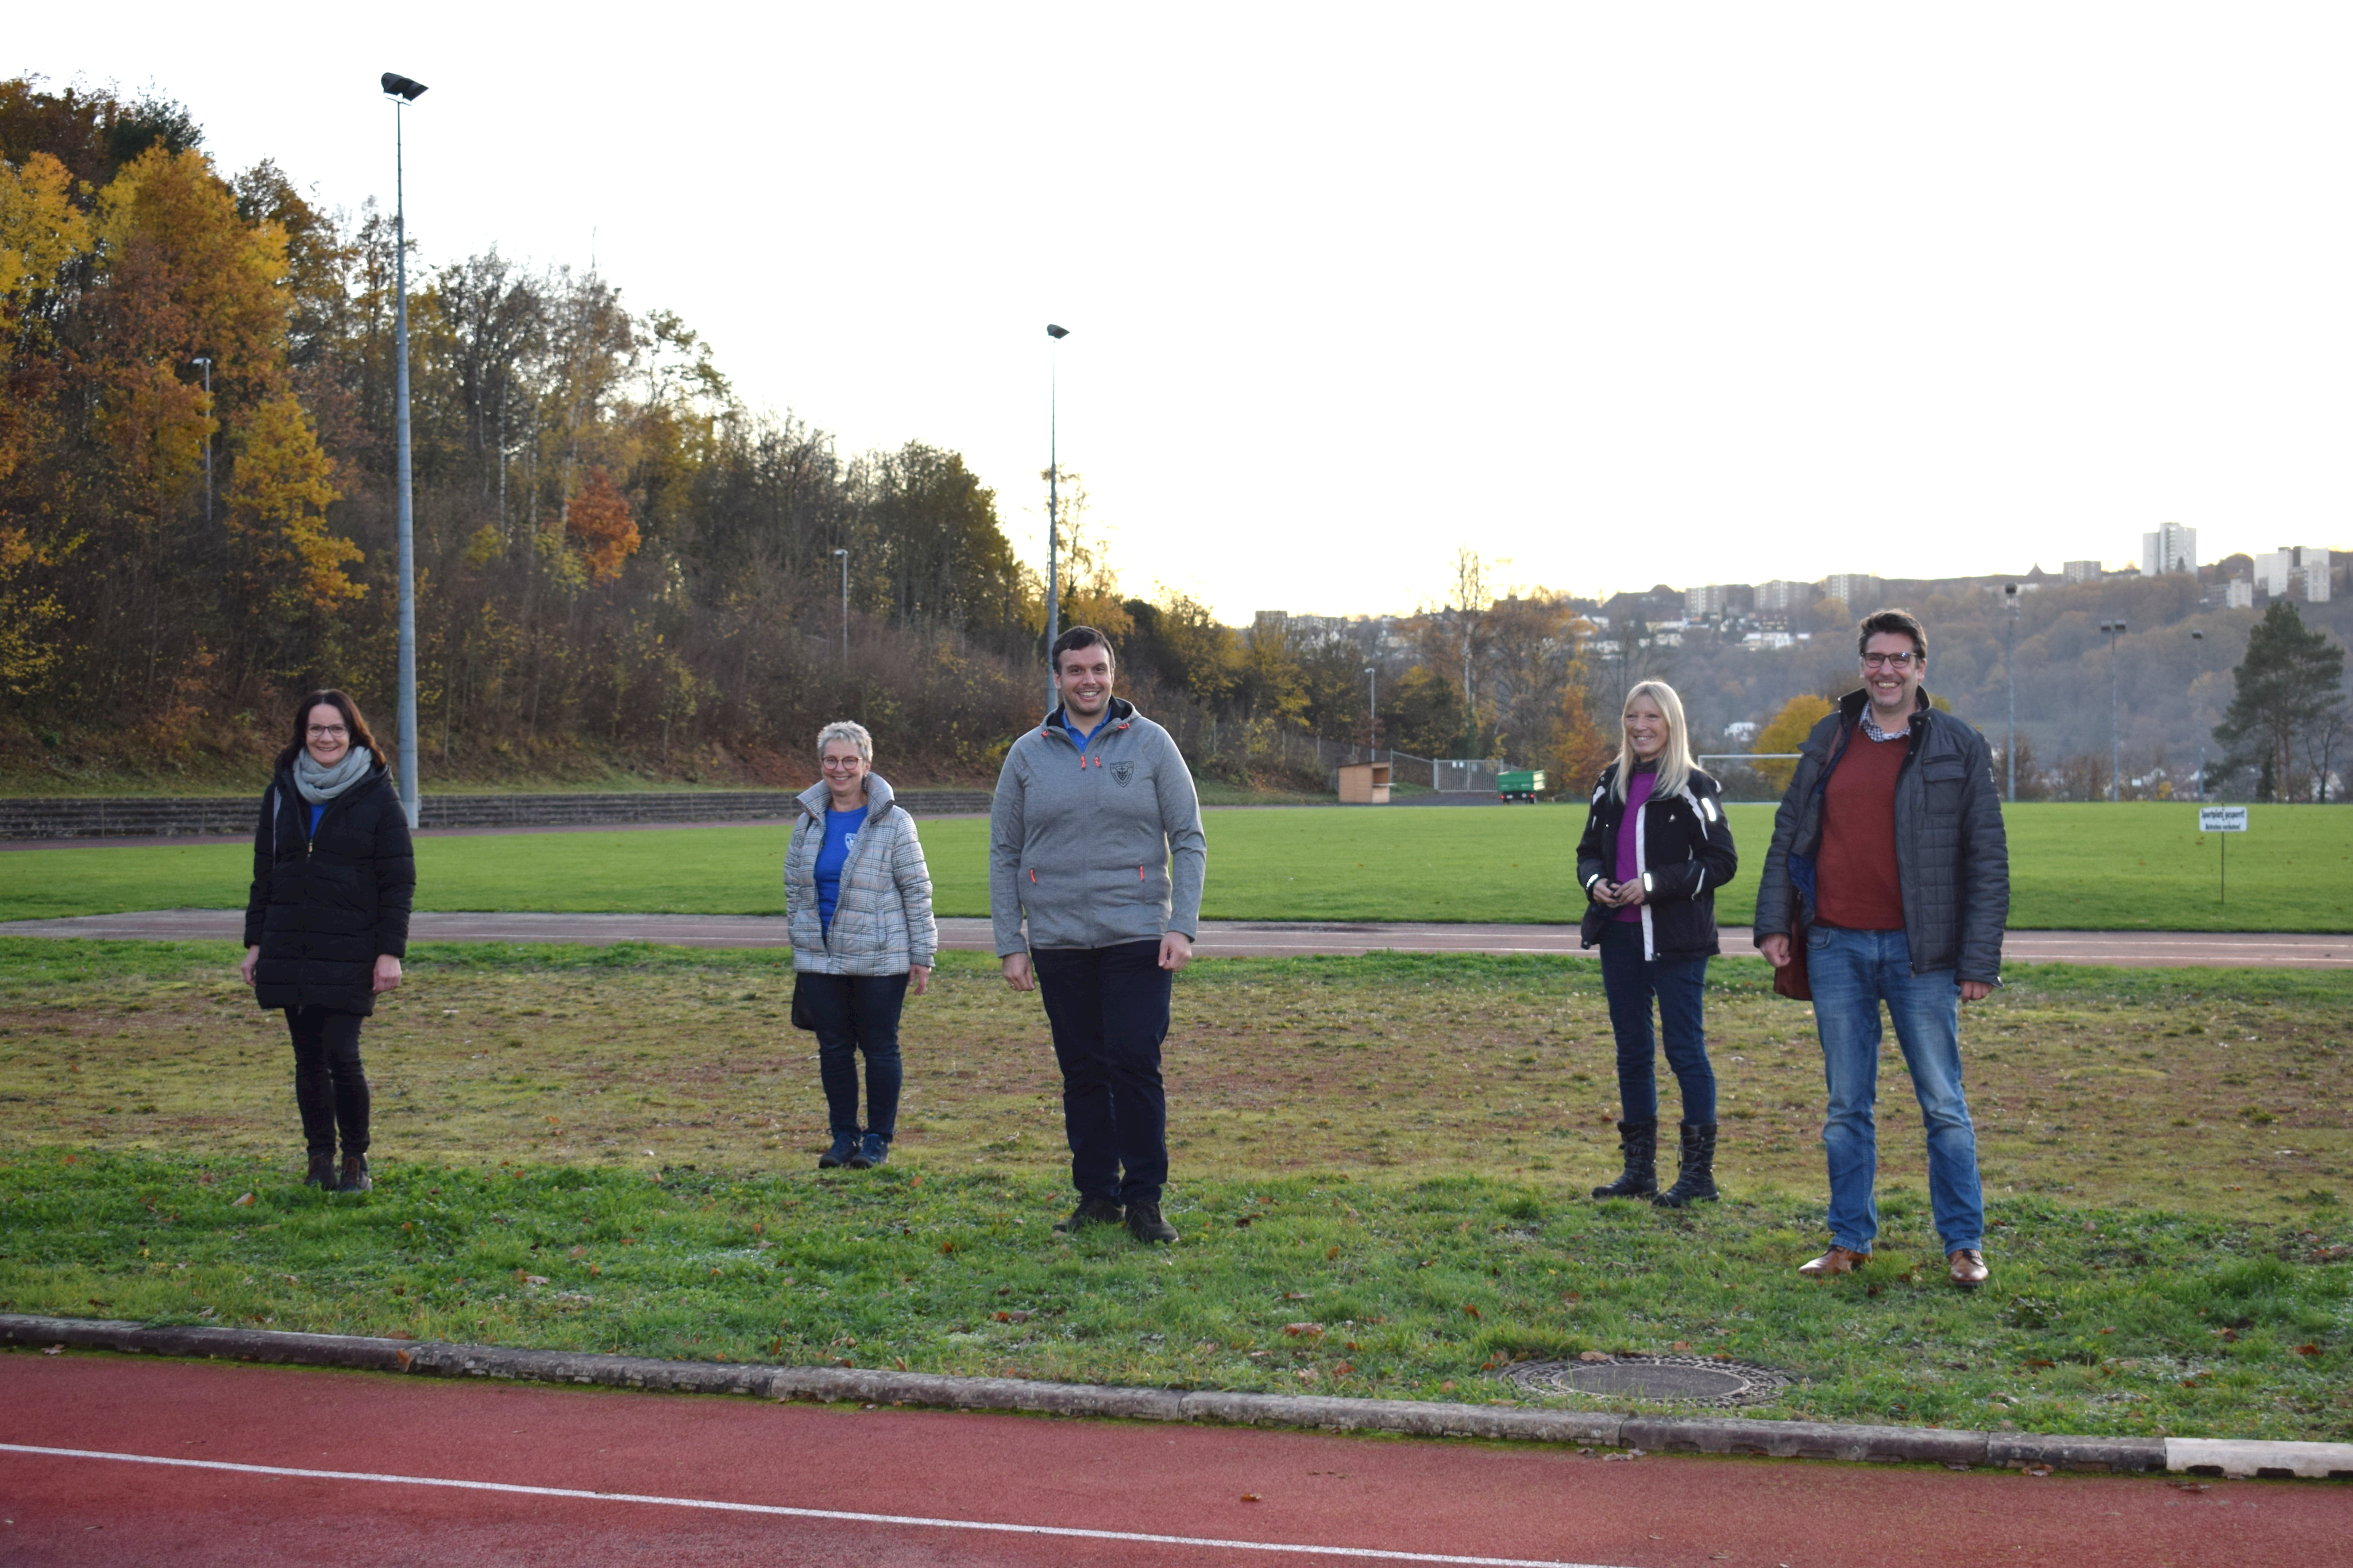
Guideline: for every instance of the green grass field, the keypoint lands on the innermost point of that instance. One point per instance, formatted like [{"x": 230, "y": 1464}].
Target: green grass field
[
  {"x": 1379, "y": 1174},
  {"x": 2073, "y": 867}
]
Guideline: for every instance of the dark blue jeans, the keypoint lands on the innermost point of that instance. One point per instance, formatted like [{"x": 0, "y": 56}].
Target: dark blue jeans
[
  {"x": 1108, "y": 1008},
  {"x": 858, "y": 1013},
  {"x": 1851, "y": 972},
  {"x": 1630, "y": 981},
  {"x": 331, "y": 1087}
]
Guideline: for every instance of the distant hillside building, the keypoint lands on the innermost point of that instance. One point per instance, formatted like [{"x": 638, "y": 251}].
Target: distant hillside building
[
  {"x": 1856, "y": 590},
  {"x": 2080, "y": 571},
  {"x": 2295, "y": 572},
  {"x": 1699, "y": 604},
  {"x": 2172, "y": 547},
  {"x": 1782, "y": 597},
  {"x": 2238, "y": 594}
]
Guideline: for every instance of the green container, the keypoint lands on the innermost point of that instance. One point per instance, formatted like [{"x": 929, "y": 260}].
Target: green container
[{"x": 1521, "y": 785}]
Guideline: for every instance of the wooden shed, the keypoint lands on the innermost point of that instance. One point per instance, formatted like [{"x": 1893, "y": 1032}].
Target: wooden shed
[{"x": 1365, "y": 783}]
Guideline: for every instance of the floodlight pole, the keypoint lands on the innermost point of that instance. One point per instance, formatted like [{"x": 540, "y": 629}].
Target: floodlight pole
[
  {"x": 843, "y": 556},
  {"x": 398, "y": 90},
  {"x": 207, "y": 361},
  {"x": 1053, "y": 501},
  {"x": 2113, "y": 629},
  {"x": 2009, "y": 659},
  {"x": 1372, "y": 710}
]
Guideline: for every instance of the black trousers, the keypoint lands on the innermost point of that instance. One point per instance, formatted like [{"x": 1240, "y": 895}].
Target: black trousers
[
  {"x": 1108, "y": 1008},
  {"x": 330, "y": 1084},
  {"x": 858, "y": 1013}
]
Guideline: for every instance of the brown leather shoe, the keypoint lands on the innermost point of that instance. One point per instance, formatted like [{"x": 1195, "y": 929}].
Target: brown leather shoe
[
  {"x": 1837, "y": 1260},
  {"x": 1968, "y": 1267}
]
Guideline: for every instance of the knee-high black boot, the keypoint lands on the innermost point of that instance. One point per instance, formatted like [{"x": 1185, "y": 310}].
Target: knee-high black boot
[
  {"x": 1695, "y": 1183},
  {"x": 1638, "y": 1141}
]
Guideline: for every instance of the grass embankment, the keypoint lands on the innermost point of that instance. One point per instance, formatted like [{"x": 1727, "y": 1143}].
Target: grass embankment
[
  {"x": 2102, "y": 867},
  {"x": 1380, "y": 1165}
]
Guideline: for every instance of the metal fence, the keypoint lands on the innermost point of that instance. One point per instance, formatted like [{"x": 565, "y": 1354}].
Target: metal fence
[{"x": 1464, "y": 775}]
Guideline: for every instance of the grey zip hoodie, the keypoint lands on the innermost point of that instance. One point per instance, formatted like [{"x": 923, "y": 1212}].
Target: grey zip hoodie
[{"x": 1099, "y": 846}]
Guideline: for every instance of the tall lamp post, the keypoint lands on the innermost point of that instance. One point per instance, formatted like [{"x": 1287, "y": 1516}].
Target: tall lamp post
[
  {"x": 206, "y": 361},
  {"x": 2113, "y": 629},
  {"x": 1372, "y": 710},
  {"x": 2196, "y": 636},
  {"x": 1053, "y": 498},
  {"x": 404, "y": 92},
  {"x": 2010, "y": 660},
  {"x": 843, "y": 556}
]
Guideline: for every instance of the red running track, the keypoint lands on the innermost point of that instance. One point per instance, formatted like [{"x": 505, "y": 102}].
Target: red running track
[{"x": 1109, "y": 1484}]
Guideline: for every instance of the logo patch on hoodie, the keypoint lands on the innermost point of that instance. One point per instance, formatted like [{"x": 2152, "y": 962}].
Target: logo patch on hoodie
[{"x": 1121, "y": 773}]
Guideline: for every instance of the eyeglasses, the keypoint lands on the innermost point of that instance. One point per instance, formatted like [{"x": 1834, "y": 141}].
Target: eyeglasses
[
  {"x": 839, "y": 761},
  {"x": 1895, "y": 661},
  {"x": 328, "y": 731}
]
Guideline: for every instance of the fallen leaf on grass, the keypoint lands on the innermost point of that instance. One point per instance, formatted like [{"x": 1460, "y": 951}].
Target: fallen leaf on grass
[
  {"x": 54, "y": 1349},
  {"x": 1297, "y": 1329},
  {"x": 1593, "y": 1355},
  {"x": 2037, "y": 1469},
  {"x": 243, "y": 1202},
  {"x": 2308, "y": 1350}
]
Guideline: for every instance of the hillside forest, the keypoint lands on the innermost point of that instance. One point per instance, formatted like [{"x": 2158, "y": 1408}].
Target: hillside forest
[{"x": 626, "y": 572}]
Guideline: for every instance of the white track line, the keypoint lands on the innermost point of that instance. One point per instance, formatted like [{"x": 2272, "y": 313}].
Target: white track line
[{"x": 508, "y": 1487}]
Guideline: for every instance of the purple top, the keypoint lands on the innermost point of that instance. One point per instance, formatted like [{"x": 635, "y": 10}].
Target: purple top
[{"x": 1638, "y": 795}]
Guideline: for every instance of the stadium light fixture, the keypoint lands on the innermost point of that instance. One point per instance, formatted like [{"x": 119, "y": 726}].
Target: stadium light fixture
[{"x": 1053, "y": 505}]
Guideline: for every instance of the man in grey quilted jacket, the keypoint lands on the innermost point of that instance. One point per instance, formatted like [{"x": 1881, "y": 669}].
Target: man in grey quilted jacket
[{"x": 1096, "y": 839}]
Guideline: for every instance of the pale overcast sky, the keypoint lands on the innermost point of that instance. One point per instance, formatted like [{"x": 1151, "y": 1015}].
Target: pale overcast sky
[{"x": 1621, "y": 294}]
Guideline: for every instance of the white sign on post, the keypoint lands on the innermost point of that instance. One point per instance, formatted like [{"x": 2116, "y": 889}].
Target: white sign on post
[{"x": 2222, "y": 819}]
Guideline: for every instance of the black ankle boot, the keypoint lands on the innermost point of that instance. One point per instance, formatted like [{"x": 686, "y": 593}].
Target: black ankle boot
[
  {"x": 1639, "y": 1142},
  {"x": 1696, "y": 1182},
  {"x": 323, "y": 1173}
]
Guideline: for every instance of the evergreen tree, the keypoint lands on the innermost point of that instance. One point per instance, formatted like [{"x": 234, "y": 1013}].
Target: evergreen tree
[{"x": 2291, "y": 687}]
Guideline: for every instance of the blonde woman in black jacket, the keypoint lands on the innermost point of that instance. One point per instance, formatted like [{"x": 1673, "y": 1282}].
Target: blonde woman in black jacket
[{"x": 1655, "y": 848}]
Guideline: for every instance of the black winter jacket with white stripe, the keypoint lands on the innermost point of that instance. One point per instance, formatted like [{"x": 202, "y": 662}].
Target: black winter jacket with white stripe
[{"x": 1683, "y": 853}]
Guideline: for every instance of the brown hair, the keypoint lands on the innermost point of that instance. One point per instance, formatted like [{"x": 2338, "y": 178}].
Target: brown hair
[
  {"x": 1899, "y": 622},
  {"x": 1075, "y": 638},
  {"x": 360, "y": 735}
]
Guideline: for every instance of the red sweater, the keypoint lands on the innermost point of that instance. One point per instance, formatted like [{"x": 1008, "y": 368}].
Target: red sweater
[{"x": 1856, "y": 884}]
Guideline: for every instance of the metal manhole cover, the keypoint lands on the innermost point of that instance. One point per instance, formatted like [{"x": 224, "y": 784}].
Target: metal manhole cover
[{"x": 1684, "y": 1379}]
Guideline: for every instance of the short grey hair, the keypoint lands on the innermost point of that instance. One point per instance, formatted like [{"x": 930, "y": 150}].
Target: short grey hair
[{"x": 847, "y": 729}]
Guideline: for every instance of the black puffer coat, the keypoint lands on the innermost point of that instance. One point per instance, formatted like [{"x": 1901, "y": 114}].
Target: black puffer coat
[
  {"x": 325, "y": 906},
  {"x": 1685, "y": 852},
  {"x": 1952, "y": 858}
]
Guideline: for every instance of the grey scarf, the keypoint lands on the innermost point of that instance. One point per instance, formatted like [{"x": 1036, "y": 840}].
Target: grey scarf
[{"x": 318, "y": 785}]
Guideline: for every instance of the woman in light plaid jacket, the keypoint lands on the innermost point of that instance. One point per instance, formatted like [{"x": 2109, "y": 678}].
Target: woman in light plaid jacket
[{"x": 857, "y": 901}]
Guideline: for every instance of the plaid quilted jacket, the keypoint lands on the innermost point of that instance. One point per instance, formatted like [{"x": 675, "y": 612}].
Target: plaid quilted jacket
[{"x": 882, "y": 921}]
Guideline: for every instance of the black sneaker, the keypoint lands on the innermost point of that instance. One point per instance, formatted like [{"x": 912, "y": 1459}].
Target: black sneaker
[
  {"x": 845, "y": 1147},
  {"x": 356, "y": 1174},
  {"x": 1090, "y": 1210},
  {"x": 1145, "y": 1223},
  {"x": 323, "y": 1173},
  {"x": 872, "y": 1149}
]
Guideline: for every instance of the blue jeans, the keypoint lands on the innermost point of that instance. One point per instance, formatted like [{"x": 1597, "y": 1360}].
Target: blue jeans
[
  {"x": 857, "y": 1013},
  {"x": 1630, "y": 981},
  {"x": 1851, "y": 972}
]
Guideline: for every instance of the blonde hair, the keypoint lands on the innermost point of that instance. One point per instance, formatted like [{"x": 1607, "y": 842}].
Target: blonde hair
[
  {"x": 847, "y": 729},
  {"x": 1675, "y": 760}
]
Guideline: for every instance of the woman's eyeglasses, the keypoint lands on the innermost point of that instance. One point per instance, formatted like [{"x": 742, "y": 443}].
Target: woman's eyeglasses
[{"x": 328, "y": 731}]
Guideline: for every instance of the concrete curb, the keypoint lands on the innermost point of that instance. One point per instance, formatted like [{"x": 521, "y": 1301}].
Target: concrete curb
[{"x": 1657, "y": 1433}]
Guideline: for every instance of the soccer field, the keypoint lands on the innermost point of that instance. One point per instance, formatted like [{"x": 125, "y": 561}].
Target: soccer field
[{"x": 2133, "y": 867}]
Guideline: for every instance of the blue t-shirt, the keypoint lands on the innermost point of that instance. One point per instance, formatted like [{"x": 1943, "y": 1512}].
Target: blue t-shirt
[
  {"x": 316, "y": 812},
  {"x": 1083, "y": 736},
  {"x": 841, "y": 830}
]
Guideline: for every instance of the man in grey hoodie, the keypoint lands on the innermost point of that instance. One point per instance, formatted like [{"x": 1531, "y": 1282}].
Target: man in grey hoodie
[{"x": 1096, "y": 838}]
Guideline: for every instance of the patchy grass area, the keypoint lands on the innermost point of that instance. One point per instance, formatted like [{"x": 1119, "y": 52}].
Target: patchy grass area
[
  {"x": 1380, "y": 1170},
  {"x": 2103, "y": 868}
]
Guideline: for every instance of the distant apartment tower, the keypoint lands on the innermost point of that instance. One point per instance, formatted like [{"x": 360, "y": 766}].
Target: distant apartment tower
[
  {"x": 2172, "y": 547},
  {"x": 1780, "y": 596},
  {"x": 1715, "y": 599},
  {"x": 2295, "y": 572},
  {"x": 1856, "y": 590},
  {"x": 2239, "y": 594},
  {"x": 2080, "y": 571}
]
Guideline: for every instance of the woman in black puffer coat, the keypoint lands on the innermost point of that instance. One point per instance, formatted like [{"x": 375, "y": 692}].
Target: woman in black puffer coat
[
  {"x": 1656, "y": 847},
  {"x": 326, "y": 924}
]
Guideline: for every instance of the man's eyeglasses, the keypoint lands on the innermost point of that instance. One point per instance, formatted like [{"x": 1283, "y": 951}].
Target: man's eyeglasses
[
  {"x": 328, "y": 731},
  {"x": 1895, "y": 661}
]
